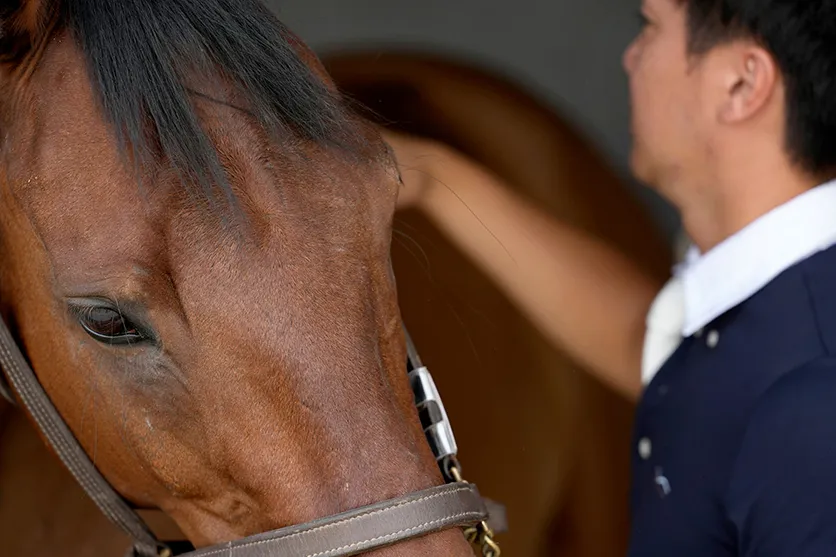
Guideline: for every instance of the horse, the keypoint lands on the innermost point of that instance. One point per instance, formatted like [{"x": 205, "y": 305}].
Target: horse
[{"x": 195, "y": 262}]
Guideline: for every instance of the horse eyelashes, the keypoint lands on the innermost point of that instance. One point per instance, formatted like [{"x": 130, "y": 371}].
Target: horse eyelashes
[{"x": 108, "y": 325}]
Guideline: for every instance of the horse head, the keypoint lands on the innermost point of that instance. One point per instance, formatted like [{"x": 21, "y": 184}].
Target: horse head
[{"x": 194, "y": 256}]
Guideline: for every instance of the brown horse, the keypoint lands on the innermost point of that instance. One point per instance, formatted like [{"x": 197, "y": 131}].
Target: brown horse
[{"x": 195, "y": 256}]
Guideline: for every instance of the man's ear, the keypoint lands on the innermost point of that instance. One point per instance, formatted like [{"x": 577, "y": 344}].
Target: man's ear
[{"x": 750, "y": 78}]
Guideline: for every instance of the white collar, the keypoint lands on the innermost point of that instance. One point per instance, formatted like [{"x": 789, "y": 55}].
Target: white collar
[{"x": 738, "y": 267}]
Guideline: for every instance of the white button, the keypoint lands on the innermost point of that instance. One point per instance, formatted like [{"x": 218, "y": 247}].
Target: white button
[
  {"x": 644, "y": 448},
  {"x": 712, "y": 339}
]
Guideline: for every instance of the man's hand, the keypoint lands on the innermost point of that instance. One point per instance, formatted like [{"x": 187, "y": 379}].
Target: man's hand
[
  {"x": 581, "y": 293},
  {"x": 416, "y": 159}
]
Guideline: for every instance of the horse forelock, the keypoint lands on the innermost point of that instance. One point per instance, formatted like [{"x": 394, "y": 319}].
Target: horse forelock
[{"x": 151, "y": 63}]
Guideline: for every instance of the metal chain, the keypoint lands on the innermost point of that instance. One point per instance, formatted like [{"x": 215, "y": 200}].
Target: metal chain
[{"x": 480, "y": 535}]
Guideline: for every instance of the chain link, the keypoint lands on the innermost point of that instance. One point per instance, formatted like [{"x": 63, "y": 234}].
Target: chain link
[{"x": 480, "y": 535}]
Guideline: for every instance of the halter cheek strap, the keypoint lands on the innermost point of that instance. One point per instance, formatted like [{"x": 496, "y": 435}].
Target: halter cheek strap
[
  {"x": 6, "y": 391},
  {"x": 62, "y": 441}
]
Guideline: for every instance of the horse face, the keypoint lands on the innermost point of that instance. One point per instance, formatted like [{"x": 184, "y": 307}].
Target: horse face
[{"x": 240, "y": 374}]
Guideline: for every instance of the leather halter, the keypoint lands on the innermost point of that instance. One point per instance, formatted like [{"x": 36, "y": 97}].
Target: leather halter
[{"x": 456, "y": 504}]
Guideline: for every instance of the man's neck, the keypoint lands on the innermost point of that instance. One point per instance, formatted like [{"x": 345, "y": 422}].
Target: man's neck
[{"x": 739, "y": 197}]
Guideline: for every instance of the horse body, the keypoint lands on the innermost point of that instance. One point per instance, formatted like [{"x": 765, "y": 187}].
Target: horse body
[{"x": 230, "y": 353}]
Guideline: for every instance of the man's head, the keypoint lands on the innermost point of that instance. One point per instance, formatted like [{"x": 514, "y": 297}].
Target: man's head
[{"x": 721, "y": 85}]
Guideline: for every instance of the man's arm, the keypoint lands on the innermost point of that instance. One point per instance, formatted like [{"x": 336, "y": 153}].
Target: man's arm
[
  {"x": 782, "y": 494},
  {"x": 581, "y": 293}
]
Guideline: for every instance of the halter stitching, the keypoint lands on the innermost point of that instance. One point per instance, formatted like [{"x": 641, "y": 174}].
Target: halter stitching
[
  {"x": 344, "y": 521},
  {"x": 394, "y": 534}
]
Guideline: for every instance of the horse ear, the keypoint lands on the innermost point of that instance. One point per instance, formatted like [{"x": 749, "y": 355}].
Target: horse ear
[
  {"x": 22, "y": 22},
  {"x": 307, "y": 55}
]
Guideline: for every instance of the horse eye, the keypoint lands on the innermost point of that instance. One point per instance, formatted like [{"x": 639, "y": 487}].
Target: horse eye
[{"x": 108, "y": 325}]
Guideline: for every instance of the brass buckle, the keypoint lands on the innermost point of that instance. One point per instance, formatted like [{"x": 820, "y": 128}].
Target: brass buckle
[{"x": 480, "y": 535}]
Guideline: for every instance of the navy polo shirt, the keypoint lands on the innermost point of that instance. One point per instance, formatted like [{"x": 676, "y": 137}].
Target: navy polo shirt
[{"x": 735, "y": 436}]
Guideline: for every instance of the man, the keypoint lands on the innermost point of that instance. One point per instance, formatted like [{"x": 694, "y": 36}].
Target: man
[{"x": 734, "y": 121}]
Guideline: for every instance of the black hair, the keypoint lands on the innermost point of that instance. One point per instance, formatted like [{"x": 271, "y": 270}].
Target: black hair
[
  {"x": 801, "y": 37},
  {"x": 140, "y": 55}
]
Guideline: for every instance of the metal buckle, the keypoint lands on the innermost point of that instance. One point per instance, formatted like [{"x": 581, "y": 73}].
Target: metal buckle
[
  {"x": 433, "y": 416},
  {"x": 481, "y": 534}
]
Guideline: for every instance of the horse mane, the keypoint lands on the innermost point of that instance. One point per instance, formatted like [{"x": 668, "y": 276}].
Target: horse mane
[{"x": 142, "y": 53}]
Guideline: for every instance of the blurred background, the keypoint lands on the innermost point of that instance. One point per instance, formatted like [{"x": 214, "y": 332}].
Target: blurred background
[{"x": 566, "y": 53}]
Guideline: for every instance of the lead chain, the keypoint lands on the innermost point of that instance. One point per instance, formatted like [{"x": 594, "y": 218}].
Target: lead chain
[{"x": 481, "y": 534}]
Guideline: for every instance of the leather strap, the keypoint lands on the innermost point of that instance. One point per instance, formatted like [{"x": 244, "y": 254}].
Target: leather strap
[
  {"x": 24, "y": 381},
  {"x": 366, "y": 528},
  {"x": 6, "y": 391},
  {"x": 413, "y": 359}
]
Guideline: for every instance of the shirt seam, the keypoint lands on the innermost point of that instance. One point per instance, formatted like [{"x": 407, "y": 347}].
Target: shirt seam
[
  {"x": 816, "y": 315},
  {"x": 753, "y": 411}
]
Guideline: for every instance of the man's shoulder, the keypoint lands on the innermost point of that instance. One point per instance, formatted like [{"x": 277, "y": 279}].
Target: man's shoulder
[
  {"x": 783, "y": 482},
  {"x": 792, "y": 420},
  {"x": 819, "y": 277},
  {"x": 788, "y": 326},
  {"x": 809, "y": 310},
  {"x": 811, "y": 386}
]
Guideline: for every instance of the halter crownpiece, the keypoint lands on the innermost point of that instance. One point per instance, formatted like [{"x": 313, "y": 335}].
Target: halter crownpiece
[{"x": 455, "y": 504}]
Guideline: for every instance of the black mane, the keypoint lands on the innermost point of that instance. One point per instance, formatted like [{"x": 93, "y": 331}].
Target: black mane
[{"x": 140, "y": 52}]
